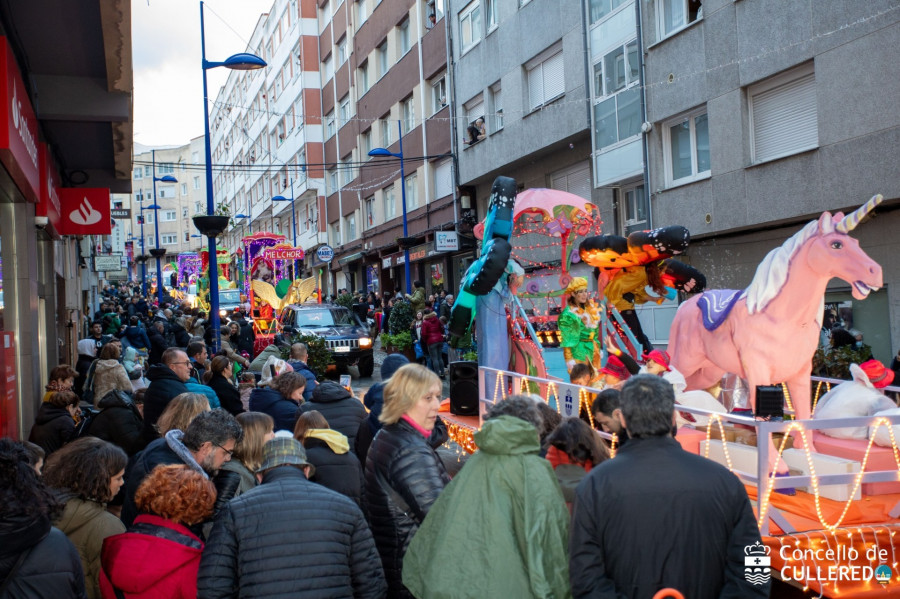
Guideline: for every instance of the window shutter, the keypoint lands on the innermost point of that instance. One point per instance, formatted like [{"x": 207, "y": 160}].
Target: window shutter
[
  {"x": 535, "y": 87},
  {"x": 443, "y": 180},
  {"x": 554, "y": 81},
  {"x": 785, "y": 119}
]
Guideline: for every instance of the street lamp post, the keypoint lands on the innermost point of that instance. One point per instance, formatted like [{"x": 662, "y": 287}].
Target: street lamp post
[
  {"x": 386, "y": 152},
  {"x": 155, "y": 208},
  {"x": 143, "y": 254},
  {"x": 243, "y": 216},
  {"x": 239, "y": 62},
  {"x": 293, "y": 217}
]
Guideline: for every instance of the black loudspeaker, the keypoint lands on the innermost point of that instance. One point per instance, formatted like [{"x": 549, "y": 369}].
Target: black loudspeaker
[
  {"x": 464, "y": 388},
  {"x": 770, "y": 402}
]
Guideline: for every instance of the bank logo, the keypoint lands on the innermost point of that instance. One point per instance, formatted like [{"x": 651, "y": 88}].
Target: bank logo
[
  {"x": 85, "y": 214},
  {"x": 883, "y": 574},
  {"x": 757, "y": 564}
]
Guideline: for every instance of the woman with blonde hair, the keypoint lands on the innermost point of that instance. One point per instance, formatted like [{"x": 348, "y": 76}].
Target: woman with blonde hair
[
  {"x": 404, "y": 475},
  {"x": 159, "y": 556},
  {"x": 181, "y": 410},
  {"x": 238, "y": 475}
]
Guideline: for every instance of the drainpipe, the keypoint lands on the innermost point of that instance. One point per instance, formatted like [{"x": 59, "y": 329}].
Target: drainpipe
[{"x": 644, "y": 141}]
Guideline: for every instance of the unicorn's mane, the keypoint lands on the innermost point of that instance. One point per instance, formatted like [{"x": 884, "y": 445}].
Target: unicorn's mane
[{"x": 773, "y": 270}]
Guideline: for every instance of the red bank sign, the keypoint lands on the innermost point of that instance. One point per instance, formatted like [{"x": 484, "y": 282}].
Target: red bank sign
[
  {"x": 48, "y": 203},
  {"x": 18, "y": 127},
  {"x": 84, "y": 211}
]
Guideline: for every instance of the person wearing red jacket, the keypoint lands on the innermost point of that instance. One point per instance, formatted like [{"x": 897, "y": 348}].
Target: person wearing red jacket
[
  {"x": 159, "y": 556},
  {"x": 433, "y": 340}
]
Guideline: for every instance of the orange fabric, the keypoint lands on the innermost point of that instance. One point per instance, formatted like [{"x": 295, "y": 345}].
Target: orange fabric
[
  {"x": 558, "y": 456},
  {"x": 869, "y": 510}
]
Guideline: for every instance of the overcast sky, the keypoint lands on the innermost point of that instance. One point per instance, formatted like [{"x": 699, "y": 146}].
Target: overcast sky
[{"x": 168, "y": 84}]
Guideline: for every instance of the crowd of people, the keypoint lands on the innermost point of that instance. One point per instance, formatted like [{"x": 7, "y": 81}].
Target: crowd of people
[{"x": 193, "y": 486}]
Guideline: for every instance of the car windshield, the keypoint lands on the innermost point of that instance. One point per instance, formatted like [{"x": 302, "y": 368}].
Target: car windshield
[
  {"x": 230, "y": 296},
  {"x": 325, "y": 317}
]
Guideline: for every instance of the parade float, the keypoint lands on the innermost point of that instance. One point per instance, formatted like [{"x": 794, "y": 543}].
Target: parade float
[
  {"x": 269, "y": 266},
  {"x": 827, "y": 502}
]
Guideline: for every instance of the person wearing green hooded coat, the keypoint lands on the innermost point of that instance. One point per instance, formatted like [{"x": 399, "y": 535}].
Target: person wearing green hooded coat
[{"x": 514, "y": 543}]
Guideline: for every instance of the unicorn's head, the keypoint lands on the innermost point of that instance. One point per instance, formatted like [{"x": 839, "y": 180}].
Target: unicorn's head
[
  {"x": 828, "y": 252},
  {"x": 835, "y": 253}
]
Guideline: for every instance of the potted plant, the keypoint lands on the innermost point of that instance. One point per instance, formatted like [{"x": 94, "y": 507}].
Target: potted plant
[
  {"x": 213, "y": 225},
  {"x": 157, "y": 252}
]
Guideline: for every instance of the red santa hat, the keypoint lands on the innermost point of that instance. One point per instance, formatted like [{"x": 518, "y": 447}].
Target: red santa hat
[
  {"x": 660, "y": 357},
  {"x": 879, "y": 376},
  {"x": 616, "y": 368}
]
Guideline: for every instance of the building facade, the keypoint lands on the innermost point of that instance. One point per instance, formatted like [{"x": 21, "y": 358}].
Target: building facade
[{"x": 765, "y": 114}]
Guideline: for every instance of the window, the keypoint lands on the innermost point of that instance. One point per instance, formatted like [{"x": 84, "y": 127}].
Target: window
[
  {"x": 148, "y": 217},
  {"x": 167, "y": 192},
  {"x": 329, "y": 124},
  {"x": 783, "y": 115},
  {"x": 405, "y": 37},
  {"x": 147, "y": 172},
  {"x": 196, "y": 182},
  {"x": 184, "y": 212},
  {"x": 168, "y": 216},
  {"x": 344, "y": 109},
  {"x": 332, "y": 181},
  {"x": 617, "y": 109},
  {"x": 390, "y": 203},
  {"x": 165, "y": 168},
  {"x": 443, "y": 179},
  {"x": 412, "y": 199},
  {"x": 327, "y": 69},
  {"x": 346, "y": 169},
  {"x": 497, "y": 100},
  {"x": 409, "y": 115},
  {"x": 470, "y": 25},
  {"x": 342, "y": 54},
  {"x": 197, "y": 208},
  {"x": 490, "y": 13},
  {"x": 438, "y": 94},
  {"x": 367, "y": 142},
  {"x": 360, "y": 12},
  {"x": 474, "y": 111},
  {"x": 336, "y": 233},
  {"x": 369, "y": 207},
  {"x": 363, "y": 77},
  {"x": 350, "y": 222},
  {"x": 673, "y": 15},
  {"x": 601, "y": 8},
  {"x": 635, "y": 208},
  {"x": 184, "y": 189},
  {"x": 686, "y": 148},
  {"x": 382, "y": 52},
  {"x": 138, "y": 173},
  {"x": 169, "y": 239},
  {"x": 545, "y": 77},
  {"x": 386, "y": 129},
  {"x": 187, "y": 236}
]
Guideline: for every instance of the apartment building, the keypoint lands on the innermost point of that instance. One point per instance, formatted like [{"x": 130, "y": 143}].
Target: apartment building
[
  {"x": 765, "y": 114},
  {"x": 178, "y": 201}
]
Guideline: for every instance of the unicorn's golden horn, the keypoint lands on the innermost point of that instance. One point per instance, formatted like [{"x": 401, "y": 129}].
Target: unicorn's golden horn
[{"x": 849, "y": 222}]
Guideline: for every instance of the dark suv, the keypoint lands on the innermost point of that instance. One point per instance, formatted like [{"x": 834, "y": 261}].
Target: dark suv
[{"x": 345, "y": 336}]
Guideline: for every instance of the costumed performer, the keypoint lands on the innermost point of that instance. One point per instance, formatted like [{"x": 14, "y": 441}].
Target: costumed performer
[
  {"x": 659, "y": 363},
  {"x": 491, "y": 311},
  {"x": 578, "y": 326},
  {"x": 628, "y": 288}
]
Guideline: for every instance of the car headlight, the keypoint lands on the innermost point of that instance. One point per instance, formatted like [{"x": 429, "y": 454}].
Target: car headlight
[
  {"x": 365, "y": 342},
  {"x": 223, "y": 313}
]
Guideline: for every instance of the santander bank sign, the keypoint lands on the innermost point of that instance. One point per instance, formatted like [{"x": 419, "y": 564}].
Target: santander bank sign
[{"x": 18, "y": 127}]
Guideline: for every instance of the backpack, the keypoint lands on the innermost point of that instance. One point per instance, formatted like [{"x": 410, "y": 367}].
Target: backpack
[{"x": 82, "y": 429}]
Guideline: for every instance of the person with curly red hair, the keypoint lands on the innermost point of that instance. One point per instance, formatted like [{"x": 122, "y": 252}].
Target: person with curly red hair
[{"x": 159, "y": 555}]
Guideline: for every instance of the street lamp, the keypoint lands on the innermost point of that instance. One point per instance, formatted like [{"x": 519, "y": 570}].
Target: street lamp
[
  {"x": 239, "y": 62},
  {"x": 249, "y": 222},
  {"x": 143, "y": 253},
  {"x": 385, "y": 152},
  {"x": 293, "y": 217},
  {"x": 159, "y": 252}
]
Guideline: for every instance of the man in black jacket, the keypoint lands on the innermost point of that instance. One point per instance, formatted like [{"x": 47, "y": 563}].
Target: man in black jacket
[
  {"x": 166, "y": 381},
  {"x": 657, "y": 516},
  {"x": 259, "y": 547},
  {"x": 156, "y": 334}
]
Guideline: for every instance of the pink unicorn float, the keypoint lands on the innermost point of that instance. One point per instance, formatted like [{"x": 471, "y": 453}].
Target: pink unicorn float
[{"x": 768, "y": 333}]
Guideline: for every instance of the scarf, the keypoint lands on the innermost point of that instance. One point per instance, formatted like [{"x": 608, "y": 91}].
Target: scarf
[{"x": 589, "y": 315}]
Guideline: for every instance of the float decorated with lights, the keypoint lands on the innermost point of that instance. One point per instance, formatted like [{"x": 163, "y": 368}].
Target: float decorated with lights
[
  {"x": 824, "y": 479},
  {"x": 269, "y": 266}
]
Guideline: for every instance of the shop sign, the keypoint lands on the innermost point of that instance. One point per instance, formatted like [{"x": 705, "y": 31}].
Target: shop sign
[
  {"x": 121, "y": 213},
  {"x": 446, "y": 241},
  {"x": 48, "y": 202},
  {"x": 109, "y": 263},
  {"x": 325, "y": 253},
  {"x": 386, "y": 262},
  {"x": 401, "y": 259},
  {"x": 18, "y": 128},
  {"x": 84, "y": 211}
]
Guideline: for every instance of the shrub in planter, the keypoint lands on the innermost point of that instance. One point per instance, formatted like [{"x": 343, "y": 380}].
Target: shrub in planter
[
  {"x": 401, "y": 318},
  {"x": 400, "y": 342},
  {"x": 319, "y": 358}
]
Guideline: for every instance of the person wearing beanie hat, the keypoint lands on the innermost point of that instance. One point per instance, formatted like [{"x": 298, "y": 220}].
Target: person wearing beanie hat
[
  {"x": 658, "y": 362},
  {"x": 615, "y": 373},
  {"x": 578, "y": 326},
  {"x": 261, "y": 526}
]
